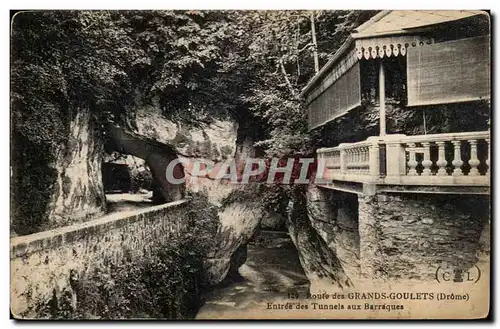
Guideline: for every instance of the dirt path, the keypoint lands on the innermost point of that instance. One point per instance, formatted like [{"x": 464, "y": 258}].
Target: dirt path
[{"x": 122, "y": 202}]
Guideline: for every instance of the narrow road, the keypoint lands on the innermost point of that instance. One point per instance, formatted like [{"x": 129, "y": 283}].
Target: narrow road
[
  {"x": 272, "y": 270},
  {"x": 122, "y": 202}
]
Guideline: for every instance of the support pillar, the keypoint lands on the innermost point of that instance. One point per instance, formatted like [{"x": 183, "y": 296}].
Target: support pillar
[{"x": 381, "y": 90}]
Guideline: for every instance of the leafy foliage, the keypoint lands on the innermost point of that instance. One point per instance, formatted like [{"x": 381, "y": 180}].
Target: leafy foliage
[
  {"x": 101, "y": 59},
  {"x": 279, "y": 62},
  {"x": 281, "y": 53},
  {"x": 197, "y": 62},
  {"x": 66, "y": 61}
]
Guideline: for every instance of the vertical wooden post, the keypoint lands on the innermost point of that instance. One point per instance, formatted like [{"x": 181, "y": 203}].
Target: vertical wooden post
[{"x": 381, "y": 97}]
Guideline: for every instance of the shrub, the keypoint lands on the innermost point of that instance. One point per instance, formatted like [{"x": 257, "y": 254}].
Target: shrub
[{"x": 141, "y": 180}]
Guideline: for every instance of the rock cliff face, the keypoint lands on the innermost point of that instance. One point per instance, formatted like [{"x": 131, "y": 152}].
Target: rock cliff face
[
  {"x": 316, "y": 247},
  {"x": 216, "y": 141},
  {"x": 78, "y": 190},
  {"x": 158, "y": 157},
  {"x": 333, "y": 215},
  {"x": 274, "y": 221},
  {"x": 350, "y": 240},
  {"x": 238, "y": 223}
]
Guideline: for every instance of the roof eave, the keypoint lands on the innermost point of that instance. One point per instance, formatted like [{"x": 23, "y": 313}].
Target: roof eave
[
  {"x": 362, "y": 35},
  {"x": 359, "y": 34}
]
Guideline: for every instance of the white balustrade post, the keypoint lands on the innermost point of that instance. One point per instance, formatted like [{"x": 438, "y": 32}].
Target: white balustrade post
[
  {"x": 441, "y": 159},
  {"x": 427, "y": 163},
  {"x": 395, "y": 155},
  {"x": 322, "y": 164},
  {"x": 374, "y": 159},
  {"x": 412, "y": 162},
  {"x": 352, "y": 161},
  {"x": 338, "y": 162},
  {"x": 334, "y": 161},
  {"x": 366, "y": 160},
  {"x": 457, "y": 159},
  {"x": 357, "y": 156},
  {"x": 343, "y": 160},
  {"x": 347, "y": 160},
  {"x": 474, "y": 161},
  {"x": 488, "y": 170},
  {"x": 326, "y": 161}
]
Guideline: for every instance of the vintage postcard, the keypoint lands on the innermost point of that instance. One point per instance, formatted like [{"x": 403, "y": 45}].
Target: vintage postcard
[{"x": 326, "y": 164}]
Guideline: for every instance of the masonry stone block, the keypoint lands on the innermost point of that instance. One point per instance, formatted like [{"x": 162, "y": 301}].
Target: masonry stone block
[{"x": 408, "y": 236}]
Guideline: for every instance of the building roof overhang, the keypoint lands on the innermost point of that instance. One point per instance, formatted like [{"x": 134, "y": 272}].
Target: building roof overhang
[
  {"x": 398, "y": 22},
  {"x": 389, "y": 23}
]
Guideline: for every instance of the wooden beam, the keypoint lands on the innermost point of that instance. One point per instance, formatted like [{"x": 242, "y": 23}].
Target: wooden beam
[{"x": 381, "y": 89}]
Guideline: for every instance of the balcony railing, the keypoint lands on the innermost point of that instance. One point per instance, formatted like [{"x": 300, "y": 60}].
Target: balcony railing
[{"x": 438, "y": 159}]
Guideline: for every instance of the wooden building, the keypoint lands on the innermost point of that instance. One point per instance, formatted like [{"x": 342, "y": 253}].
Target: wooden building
[{"x": 416, "y": 64}]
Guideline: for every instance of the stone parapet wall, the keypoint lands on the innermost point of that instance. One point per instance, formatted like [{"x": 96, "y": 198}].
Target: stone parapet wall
[{"x": 46, "y": 264}]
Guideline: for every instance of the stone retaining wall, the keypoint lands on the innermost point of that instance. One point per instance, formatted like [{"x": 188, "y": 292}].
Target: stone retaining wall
[
  {"x": 408, "y": 236},
  {"x": 45, "y": 264}
]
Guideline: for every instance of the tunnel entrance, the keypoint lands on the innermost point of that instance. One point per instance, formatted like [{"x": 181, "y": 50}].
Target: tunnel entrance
[
  {"x": 128, "y": 183},
  {"x": 134, "y": 171}
]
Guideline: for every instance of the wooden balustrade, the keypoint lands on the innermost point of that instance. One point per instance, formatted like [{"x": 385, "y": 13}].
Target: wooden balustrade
[{"x": 437, "y": 159}]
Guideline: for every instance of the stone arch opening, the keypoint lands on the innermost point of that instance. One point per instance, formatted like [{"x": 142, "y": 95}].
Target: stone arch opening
[{"x": 139, "y": 170}]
